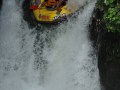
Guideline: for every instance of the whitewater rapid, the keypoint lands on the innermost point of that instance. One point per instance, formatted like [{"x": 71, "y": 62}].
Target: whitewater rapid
[{"x": 60, "y": 59}]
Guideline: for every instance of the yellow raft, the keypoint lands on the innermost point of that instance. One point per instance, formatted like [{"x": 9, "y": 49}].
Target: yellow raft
[{"x": 50, "y": 16}]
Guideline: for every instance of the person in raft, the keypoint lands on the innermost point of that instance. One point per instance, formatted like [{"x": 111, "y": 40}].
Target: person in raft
[{"x": 53, "y": 4}]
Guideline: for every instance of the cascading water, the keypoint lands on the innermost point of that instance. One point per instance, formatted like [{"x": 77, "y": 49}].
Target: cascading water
[{"x": 61, "y": 60}]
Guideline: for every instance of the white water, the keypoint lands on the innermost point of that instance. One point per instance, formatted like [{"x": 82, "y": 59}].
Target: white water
[{"x": 71, "y": 64}]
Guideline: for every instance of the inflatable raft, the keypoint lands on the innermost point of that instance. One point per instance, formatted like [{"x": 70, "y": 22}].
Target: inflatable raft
[{"x": 47, "y": 15}]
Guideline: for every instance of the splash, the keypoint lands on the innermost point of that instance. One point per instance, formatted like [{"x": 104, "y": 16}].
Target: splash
[{"x": 30, "y": 60}]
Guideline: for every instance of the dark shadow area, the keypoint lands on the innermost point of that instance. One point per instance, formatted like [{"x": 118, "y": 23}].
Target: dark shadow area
[
  {"x": 28, "y": 15},
  {"x": 107, "y": 45},
  {"x": 0, "y": 4}
]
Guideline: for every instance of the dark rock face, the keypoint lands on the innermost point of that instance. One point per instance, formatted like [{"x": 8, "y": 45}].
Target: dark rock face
[
  {"x": 107, "y": 46},
  {"x": 0, "y": 4},
  {"x": 109, "y": 61}
]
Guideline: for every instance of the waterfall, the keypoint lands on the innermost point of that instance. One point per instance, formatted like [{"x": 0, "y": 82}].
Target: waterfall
[{"x": 59, "y": 59}]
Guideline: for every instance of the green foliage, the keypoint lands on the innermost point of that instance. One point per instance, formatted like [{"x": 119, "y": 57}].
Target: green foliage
[
  {"x": 111, "y": 14},
  {"x": 108, "y": 2}
]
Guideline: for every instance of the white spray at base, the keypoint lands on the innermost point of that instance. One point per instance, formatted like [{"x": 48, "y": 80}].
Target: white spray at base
[{"x": 71, "y": 62}]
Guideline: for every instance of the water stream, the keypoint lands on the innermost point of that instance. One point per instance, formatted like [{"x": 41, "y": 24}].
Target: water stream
[{"x": 59, "y": 59}]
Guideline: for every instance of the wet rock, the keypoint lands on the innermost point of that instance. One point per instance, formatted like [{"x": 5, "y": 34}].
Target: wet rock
[
  {"x": 0, "y": 4},
  {"x": 107, "y": 47}
]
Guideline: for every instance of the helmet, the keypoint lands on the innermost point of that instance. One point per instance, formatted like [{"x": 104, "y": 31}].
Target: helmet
[{"x": 52, "y": 2}]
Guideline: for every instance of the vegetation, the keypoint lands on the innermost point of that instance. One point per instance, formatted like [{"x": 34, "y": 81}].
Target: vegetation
[{"x": 111, "y": 14}]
